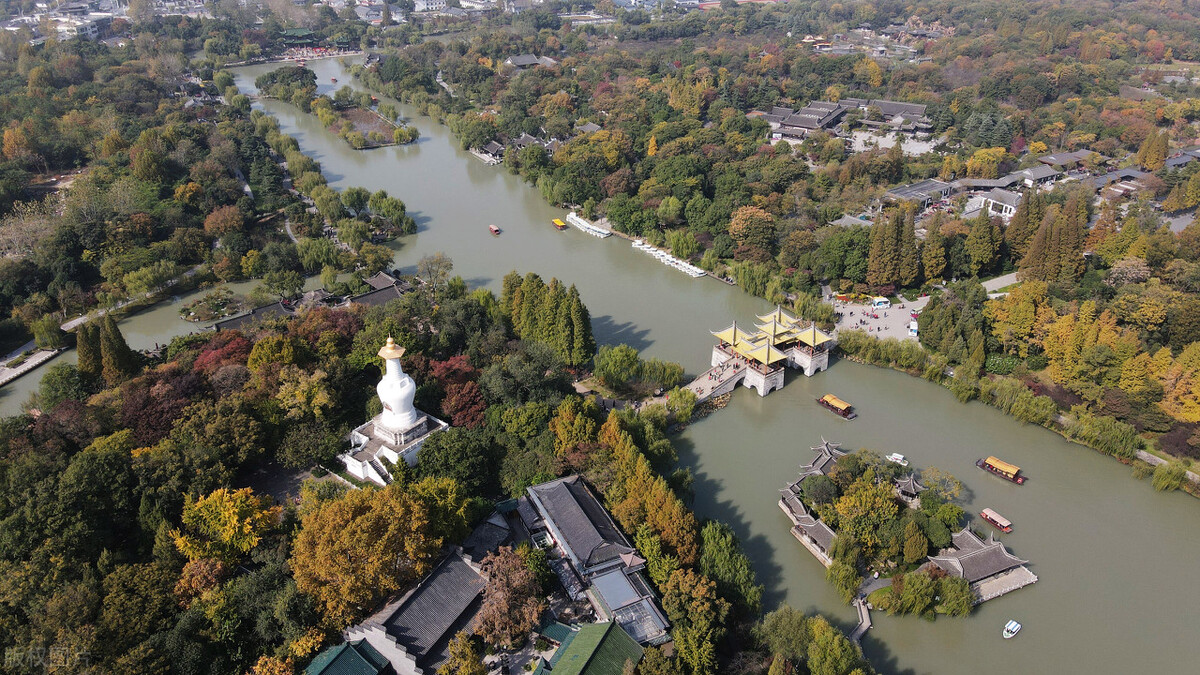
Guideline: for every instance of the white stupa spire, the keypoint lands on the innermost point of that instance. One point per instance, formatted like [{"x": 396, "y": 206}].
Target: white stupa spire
[{"x": 396, "y": 390}]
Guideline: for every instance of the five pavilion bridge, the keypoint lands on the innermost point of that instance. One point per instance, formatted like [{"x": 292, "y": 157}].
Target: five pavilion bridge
[{"x": 757, "y": 359}]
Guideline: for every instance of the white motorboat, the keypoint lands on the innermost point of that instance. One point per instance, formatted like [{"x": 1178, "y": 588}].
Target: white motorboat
[
  {"x": 897, "y": 458},
  {"x": 1011, "y": 628}
]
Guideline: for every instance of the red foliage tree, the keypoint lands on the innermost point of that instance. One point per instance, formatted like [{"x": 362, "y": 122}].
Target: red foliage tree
[
  {"x": 465, "y": 405},
  {"x": 224, "y": 348},
  {"x": 454, "y": 370}
]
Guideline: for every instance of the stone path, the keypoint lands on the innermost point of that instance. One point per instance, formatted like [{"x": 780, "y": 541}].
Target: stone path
[
  {"x": 716, "y": 380},
  {"x": 864, "y": 620}
]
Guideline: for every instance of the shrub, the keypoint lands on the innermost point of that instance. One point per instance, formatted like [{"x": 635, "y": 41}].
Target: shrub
[{"x": 1168, "y": 477}]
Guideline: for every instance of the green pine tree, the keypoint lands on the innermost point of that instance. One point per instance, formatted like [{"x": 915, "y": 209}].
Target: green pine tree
[
  {"x": 916, "y": 546},
  {"x": 525, "y": 319},
  {"x": 1021, "y": 228},
  {"x": 118, "y": 362},
  {"x": 933, "y": 254},
  {"x": 981, "y": 243},
  {"x": 584, "y": 343},
  {"x": 547, "y": 316},
  {"x": 510, "y": 289},
  {"x": 910, "y": 260},
  {"x": 1036, "y": 264},
  {"x": 87, "y": 346},
  {"x": 564, "y": 332}
]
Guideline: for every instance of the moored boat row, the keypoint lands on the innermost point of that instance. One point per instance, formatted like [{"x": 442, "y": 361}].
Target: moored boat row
[
  {"x": 669, "y": 260},
  {"x": 586, "y": 226}
]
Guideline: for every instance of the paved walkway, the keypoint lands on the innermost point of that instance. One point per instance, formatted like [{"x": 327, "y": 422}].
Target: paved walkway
[
  {"x": 35, "y": 359},
  {"x": 711, "y": 382},
  {"x": 1155, "y": 460}
]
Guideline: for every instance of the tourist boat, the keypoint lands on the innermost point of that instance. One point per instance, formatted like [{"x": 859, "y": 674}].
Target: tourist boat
[
  {"x": 998, "y": 521},
  {"x": 838, "y": 406},
  {"x": 559, "y": 225},
  {"x": 897, "y": 458},
  {"x": 1009, "y": 472},
  {"x": 494, "y": 230},
  {"x": 1011, "y": 628}
]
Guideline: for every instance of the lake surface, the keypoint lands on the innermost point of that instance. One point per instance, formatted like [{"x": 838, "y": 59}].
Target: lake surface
[{"x": 1114, "y": 557}]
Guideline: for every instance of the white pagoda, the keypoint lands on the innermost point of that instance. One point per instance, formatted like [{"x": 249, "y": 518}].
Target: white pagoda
[{"x": 397, "y": 433}]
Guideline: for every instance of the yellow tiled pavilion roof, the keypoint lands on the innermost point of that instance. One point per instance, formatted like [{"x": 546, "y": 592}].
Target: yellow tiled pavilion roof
[
  {"x": 780, "y": 316},
  {"x": 764, "y": 353},
  {"x": 732, "y": 335},
  {"x": 813, "y": 337},
  {"x": 777, "y": 332}
]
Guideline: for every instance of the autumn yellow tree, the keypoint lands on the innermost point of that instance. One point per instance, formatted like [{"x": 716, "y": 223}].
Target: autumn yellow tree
[
  {"x": 864, "y": 509},
  {"x": 1018, "y": 317},
  {"x": 225, "y": 524},
  {"x": 358, "y": 548}
]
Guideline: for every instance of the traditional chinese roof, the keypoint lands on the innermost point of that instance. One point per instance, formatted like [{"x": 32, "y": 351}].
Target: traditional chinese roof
[
  {"x": 732, "y": 335},
  {"x": 763, "y": 352},
  {"x": 813, "y": 337},
  {"x": 780, "y": 316},
  {"x": 579, "y": 523},
  {"x": 827, "y": 454},
  {"x": 349, "y": 658},
  {"x": 909, "y": 484},
  {"x": 974, "y": 559},
  {"x": 594, "y": 649},
  {"x": 421, "y": 620}
]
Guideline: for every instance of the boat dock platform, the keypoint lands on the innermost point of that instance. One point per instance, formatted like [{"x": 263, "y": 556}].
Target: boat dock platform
[
  {"x": 994, "y": 587},
  {"x": 587, "y": 227}
]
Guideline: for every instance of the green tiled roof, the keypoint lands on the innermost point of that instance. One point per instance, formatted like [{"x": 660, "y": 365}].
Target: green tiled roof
[
  {"x": 349, "y": 658},
  {"x": 555, "y": 631},
  {"x": 596, "y": 649}
]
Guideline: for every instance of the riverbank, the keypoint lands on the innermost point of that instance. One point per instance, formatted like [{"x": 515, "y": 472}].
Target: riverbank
[{"x": 1062, "y": 424}]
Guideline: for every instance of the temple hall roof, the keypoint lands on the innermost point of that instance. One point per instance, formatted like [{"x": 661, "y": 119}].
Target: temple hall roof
[
  {"x": 583, "y": 526},
  {"x": 974, "y": 559}
]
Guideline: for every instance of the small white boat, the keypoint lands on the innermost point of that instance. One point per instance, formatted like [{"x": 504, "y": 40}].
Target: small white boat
[
  {"x": 1011, "y": 628},
  {"x": 897, "y": 458}
]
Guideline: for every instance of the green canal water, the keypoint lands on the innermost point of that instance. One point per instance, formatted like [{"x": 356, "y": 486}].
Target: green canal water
[{"x": 1114, "y": 557}]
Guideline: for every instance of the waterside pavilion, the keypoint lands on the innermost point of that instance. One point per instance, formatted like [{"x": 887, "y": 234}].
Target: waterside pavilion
[{"x": 757, "y": 358}]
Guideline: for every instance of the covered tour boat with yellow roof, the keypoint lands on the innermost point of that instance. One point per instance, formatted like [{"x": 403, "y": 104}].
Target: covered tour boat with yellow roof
[
  {"x": 1009, "y": 472},
  {"x": 837, "y": 405}
]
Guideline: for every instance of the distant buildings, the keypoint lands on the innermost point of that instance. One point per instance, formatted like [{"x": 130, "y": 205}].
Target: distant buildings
[
  {"x": 923, "y": 193},
  {"x": 526, "y": 61},
  {"x": 793, "y": 125}
]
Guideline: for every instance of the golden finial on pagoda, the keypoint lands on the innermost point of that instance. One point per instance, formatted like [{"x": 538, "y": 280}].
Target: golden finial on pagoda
[{"x": 391, "y": 350}]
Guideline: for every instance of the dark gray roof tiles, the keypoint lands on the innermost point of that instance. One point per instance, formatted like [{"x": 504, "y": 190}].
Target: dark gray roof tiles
[
  {"x": 588, "y": 531},
  {"x": 422, "y": 618},
  {"x": 974, "y": 559}
]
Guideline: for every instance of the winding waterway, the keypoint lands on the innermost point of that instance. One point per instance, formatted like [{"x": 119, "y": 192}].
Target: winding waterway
[{"x": 1114, "y": 557}]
